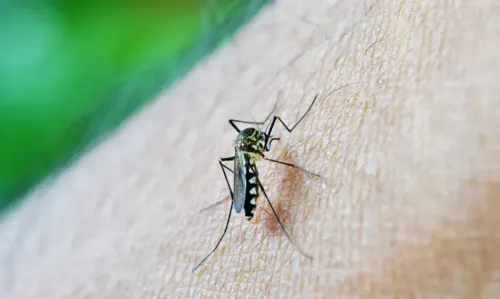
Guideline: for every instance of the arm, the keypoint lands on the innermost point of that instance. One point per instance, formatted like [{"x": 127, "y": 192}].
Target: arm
[{"x": 408, "y": 154}]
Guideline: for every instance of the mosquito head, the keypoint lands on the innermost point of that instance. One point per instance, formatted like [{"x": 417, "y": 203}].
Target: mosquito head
[{"x": 251, "y": 140}]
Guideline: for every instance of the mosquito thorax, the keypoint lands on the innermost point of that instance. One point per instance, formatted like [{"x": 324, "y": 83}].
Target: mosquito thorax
[{"x": 251, "y": 140}]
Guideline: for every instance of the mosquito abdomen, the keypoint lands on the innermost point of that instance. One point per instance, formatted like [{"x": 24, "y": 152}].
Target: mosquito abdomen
[{"x": 252, "y": 190}]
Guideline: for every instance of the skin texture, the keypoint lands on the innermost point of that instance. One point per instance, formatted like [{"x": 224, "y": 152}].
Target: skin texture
[{"x": 408, "y": 153}]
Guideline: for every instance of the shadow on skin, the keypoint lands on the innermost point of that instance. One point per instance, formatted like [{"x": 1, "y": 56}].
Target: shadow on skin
[{"x": 291, "y": 190}]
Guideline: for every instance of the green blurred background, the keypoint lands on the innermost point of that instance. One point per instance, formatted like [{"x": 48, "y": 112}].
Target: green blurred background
[{"x": 70, "y": 73}]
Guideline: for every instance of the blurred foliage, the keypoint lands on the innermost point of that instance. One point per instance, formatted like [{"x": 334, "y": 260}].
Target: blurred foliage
[{"x": 70, "y": 72}]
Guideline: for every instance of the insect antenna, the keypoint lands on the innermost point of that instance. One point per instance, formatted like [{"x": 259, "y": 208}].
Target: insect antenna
[
  {"x": 256, "y": 122},
  {"x": 278, "y": 218},
  {"x": 220, "y": 239}
]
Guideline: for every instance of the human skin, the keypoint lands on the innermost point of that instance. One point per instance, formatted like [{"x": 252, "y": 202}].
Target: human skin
[{"x": 408, "y": 152}]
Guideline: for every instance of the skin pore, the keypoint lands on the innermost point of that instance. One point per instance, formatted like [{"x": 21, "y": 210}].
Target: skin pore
[{"x": 408, "y": 152}]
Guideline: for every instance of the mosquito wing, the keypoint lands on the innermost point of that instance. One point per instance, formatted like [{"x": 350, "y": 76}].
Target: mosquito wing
[{"x": 240, "y": 184}]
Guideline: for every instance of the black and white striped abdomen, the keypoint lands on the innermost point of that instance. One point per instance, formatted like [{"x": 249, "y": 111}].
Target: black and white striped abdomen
[
  {"x": 252, "y": 190},
  {"x": 246, "y": 188}
]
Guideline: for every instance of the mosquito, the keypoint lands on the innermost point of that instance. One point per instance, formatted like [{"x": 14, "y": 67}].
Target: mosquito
[{"x": 250, "y": 145}]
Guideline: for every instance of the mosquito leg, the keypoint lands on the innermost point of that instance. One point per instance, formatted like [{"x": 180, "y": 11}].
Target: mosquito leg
[
  {"x": 271, "y": 139},
  {"x": 234, "y": 121},
  {"x": 270, "y": 215},
  {"x": 292, "y": 165},
  {"x": 220, "y": 239},
  {"x": 213, "y": 205},
  {"x": 222, "y": 165},
  {"x": 278, "y": 219},
  {"x": 270, "y": 130},
  {"x": 224, "y": 168}
]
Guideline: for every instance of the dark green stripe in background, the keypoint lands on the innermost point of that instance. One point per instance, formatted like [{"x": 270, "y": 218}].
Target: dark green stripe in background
[{"x": 70, "y": 73}]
